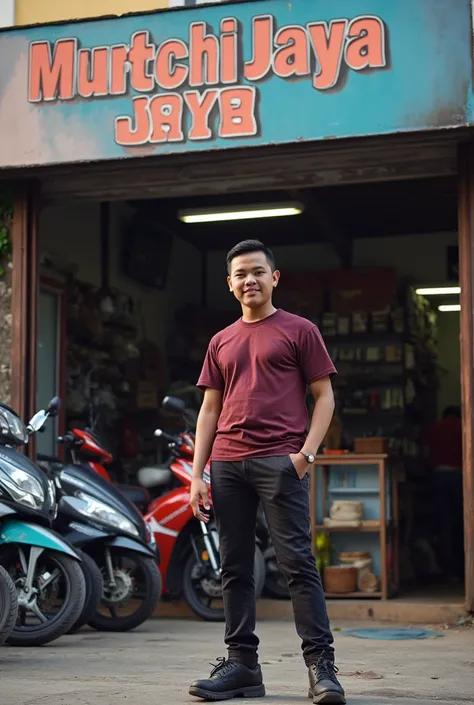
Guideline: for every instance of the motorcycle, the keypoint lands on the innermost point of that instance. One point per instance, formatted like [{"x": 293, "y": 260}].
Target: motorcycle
[
  {"x": 45, "y": 569},
  {"x": 275, "y": 583},
  {"x": 8, "y": 605},
  {"x": 95, "y": 517},
  {"x": 190, "y": 549},
  {"x": 94, "y": 591}
]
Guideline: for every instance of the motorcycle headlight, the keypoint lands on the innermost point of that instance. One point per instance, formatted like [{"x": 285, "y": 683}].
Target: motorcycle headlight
[
  {"x": 12, "y": 428},
  {"x": 23, "y": 488},
  {"x": 102, "y": 513}
]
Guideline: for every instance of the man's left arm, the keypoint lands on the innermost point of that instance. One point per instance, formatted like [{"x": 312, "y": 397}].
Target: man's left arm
[{"x": 323, "y": 412}]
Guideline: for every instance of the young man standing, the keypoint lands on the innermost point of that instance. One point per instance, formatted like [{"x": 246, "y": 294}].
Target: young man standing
[{"x": 254, "y": 422}]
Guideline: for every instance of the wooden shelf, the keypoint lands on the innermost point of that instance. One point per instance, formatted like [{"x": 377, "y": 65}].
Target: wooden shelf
[
  {"x": 354, "y": 490},
  {"x": 384, "y": 526},
  {"x": 349, "y": 529},
  {"x": 350, "y": 459},
  {"x": 333, "y": 595}
]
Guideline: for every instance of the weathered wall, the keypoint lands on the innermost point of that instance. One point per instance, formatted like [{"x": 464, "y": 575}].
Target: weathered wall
[
  {"x": 5, "y": 295},
  {"x": 5, "y": 336}
]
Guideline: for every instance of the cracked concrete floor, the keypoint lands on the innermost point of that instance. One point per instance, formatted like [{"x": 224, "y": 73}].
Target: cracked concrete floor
[{"x": 156, "y": 663}]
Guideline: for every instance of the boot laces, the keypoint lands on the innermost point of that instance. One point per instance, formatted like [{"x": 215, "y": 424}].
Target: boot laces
[
  {"x": 325, "y": 669},
  {"x": 222, "y": 666}
]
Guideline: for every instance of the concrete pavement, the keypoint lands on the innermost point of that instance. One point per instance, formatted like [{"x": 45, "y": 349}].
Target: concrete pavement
[{"x": 156, "y": 663}]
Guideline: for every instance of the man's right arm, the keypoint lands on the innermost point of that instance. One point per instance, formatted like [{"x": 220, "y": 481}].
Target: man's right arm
[
  {"x": 206, "y": 429},
  {"x": 205, "y": 434}
]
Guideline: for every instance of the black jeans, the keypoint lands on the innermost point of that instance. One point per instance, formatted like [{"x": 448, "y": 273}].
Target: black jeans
[{"x": 236, "y": 489}]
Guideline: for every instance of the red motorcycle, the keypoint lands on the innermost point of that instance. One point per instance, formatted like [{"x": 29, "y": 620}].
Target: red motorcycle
[{"x": 189, "y": 549}]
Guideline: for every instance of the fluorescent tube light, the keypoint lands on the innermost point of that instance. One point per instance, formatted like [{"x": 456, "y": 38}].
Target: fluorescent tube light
[
  {"x": 438, "y": 290},
  {"x": 449, "y": 307},
  {"x": 216, "y": 215}
]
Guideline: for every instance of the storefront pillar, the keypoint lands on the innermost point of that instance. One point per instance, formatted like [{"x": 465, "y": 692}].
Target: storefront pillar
[
  {"x": 24, "y": 298},
  {"x": 466, "y": 266}
]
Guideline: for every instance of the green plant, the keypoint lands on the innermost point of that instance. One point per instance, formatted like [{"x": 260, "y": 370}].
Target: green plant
[{"x": 6, "y": 215}]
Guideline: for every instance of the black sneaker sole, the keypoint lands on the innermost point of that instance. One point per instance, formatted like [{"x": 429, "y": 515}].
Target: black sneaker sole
[
  {"x": 254, "y": 691},
  {"x": 328, "y": 698}
]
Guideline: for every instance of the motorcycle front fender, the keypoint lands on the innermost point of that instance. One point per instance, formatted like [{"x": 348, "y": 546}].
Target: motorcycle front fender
[
  {"x": 20, "y": 532},
  {"x": 130, "y": 545},
  {"x": 82, "y": 535}
]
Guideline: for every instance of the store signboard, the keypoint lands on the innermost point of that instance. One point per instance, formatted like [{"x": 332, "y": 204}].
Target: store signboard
[{"x": 232, "y": 75}]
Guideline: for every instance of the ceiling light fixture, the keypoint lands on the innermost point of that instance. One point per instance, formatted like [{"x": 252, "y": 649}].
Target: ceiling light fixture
[
  {"x": 449, "y": 307},
  {"x": 217, "y": 215},
  {"x": 438, "y": 290}
]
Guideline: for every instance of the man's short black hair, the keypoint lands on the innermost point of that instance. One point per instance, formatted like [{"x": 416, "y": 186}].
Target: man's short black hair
[{"x": 247, "y": 246}]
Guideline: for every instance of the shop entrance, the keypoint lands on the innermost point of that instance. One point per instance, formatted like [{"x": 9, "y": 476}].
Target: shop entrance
[{"x": 130, "y": 295}]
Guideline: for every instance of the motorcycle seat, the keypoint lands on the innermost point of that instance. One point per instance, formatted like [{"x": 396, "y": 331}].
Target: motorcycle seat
[
  {"x": 154, "y": 476},
  {"x": 139, "y": 496}
]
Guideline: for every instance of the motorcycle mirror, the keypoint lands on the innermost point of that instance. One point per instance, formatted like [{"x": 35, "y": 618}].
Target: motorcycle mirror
[
  {"x": 38, "y": 421},
  {"x": 54, "y": 407},
  {"x": 174, "y": 404},
  {"x": 190, "y": 416}
]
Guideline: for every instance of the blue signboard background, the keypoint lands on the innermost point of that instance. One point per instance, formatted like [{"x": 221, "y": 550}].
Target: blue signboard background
[{"x": 426, "y": 84}]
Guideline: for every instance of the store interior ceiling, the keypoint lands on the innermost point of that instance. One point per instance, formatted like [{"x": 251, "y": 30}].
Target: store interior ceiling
[{"x": 335, "y": 214}]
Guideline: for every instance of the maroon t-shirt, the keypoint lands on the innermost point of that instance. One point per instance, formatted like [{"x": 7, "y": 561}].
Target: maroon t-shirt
[{"x": 263, "y": 370}]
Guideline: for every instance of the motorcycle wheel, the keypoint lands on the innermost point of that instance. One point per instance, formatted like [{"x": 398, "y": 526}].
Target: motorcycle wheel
[
  {"x": 56, "y": 576},
  {"x": 8, "y": 605},
  {"x": 134, "y": 570},
  {"x": 94, "y": 589},
  {"x": 276, "y": 586},
  {"x": 193, "y": 590}
]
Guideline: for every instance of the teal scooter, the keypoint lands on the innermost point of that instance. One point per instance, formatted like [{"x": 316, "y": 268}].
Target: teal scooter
[{"x": 45, "y": 569}]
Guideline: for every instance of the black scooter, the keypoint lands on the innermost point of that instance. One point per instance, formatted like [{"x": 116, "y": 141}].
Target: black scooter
[{"x": 97, "y": 518}]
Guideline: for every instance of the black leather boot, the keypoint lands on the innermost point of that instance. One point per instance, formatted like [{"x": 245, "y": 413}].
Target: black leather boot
[
  {"x": 324, "y": 687},
  {"x": 230, "y": 679}
]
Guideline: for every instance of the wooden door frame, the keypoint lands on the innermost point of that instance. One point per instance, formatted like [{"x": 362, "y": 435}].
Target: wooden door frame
[
  {"x": 466, "y": 272},
  {"x": 24, "y": 299}
]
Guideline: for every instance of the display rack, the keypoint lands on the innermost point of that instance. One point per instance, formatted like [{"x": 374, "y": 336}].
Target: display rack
[
  {"x": 387, "y": 363},
  {"x": 381, "y": 486}
]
